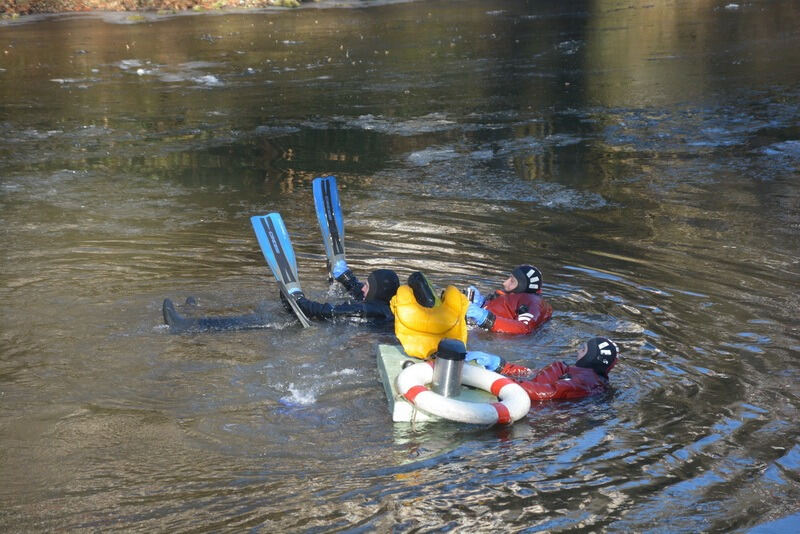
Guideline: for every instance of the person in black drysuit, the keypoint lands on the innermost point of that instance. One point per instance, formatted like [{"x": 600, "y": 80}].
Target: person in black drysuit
[{"x": 369, "y": 302}]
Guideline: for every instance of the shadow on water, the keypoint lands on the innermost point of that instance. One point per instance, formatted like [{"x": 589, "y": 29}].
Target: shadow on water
[{"x": 645, "y": 158}]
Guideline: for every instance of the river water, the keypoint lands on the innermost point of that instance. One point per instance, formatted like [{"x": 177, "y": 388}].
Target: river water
[{"x": 645, "y": 156}]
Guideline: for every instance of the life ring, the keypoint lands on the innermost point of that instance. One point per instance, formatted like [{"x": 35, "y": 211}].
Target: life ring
[{"x": 514, "y": 401}]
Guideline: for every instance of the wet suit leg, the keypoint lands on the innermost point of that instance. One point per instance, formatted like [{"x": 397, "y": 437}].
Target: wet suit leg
[{"x": 179, "y": 323}]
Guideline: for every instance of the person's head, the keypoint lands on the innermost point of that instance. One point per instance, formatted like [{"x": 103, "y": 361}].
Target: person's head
[
  {"x": 599, "y": 354},
  {"x": 524, "y": 279},
  {"x": 381, "y": 285}
]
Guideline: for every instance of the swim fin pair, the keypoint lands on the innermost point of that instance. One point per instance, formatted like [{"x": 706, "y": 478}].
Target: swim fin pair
[{"x": 277, "y": 247}]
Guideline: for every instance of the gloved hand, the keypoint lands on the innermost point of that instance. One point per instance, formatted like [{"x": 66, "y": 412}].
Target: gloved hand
[
  {"x": 476, "y": 314},
  {"x": 475, "y": 296},
  {"x": 339, "y": 268},
  {"x": 296, "y": 293},
  {"x": 488, "y": 361},
  {"x": 349, "y": 281},
  {"x": 517, "y": 372}
]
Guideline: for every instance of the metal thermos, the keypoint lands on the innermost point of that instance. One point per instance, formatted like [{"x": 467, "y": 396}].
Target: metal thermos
[{"x": 447, "y": 368}]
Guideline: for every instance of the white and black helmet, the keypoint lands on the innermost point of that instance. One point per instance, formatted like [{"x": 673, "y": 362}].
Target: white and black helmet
[
  {"x": 529, "y": 279},
  {"x": 601, "y": 355}
]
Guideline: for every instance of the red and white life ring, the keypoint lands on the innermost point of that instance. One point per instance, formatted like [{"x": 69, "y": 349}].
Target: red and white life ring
[{"x": 514, "y": 401}]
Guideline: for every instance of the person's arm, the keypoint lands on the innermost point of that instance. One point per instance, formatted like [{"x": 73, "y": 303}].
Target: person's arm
[
  {"x": 496, "y": 364},
  {"x": 325, "y": 310},
  {"x": 351, "y": 284},
  {"x": 179, "y": 323},
  {"x": 314, "y": 309},
  {"x": 487, "y": 320},
  {"x": 372, "y": 310},
  {"x": 347, "y": 278},
  {"x": 480, "y": 316}
]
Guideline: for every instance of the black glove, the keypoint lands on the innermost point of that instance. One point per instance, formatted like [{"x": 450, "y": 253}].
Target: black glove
[
  {"x": 297, "y": 296},
  {"x": 351, "y": 284}
]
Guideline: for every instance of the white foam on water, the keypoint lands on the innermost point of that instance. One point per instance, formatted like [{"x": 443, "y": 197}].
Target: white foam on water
[
  {"x": 195, "y": 65},
  {"x": 209, "y": 80},
  {"x": 569, "y": 47},
  {"x": 126, "y": 64},
  {"x": 425, "y": 157},
  {"x": 299, "y": 397},
  {"x": 433, "y": 122},
  {"x": 790, "y": 149}
]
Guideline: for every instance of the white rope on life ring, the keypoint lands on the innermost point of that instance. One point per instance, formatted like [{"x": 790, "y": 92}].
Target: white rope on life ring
[{"x": 514, "y": 401}]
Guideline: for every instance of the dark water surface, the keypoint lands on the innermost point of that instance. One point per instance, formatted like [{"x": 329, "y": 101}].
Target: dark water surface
[{"x": 646, "y": 156}]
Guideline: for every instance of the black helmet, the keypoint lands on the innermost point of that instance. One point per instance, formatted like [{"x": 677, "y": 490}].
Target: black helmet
[
  {"x": 529, "y": 279},
  {"x": 601, "y": 355},
  {"x": 383, "y": 284}
]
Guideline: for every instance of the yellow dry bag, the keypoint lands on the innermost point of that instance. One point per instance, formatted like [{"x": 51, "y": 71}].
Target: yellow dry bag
[{"x": 420, "y": 329}]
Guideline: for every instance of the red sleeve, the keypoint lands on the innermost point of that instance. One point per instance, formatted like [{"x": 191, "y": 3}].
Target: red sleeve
[{"x": 548, "y": 384}]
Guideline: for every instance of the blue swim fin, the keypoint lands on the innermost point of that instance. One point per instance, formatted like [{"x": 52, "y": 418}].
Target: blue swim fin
[
  {"x": 329, "y": 216},
  {"x": 277, "y": 249}
]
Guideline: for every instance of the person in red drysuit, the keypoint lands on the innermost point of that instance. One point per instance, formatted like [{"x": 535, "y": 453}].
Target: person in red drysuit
[
  {"x": 518, "y": 308},
  {"x": 588, "y": 376}
]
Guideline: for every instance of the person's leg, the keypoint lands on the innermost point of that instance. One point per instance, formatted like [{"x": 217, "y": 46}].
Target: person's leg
[{"x": 179, "y": 323}]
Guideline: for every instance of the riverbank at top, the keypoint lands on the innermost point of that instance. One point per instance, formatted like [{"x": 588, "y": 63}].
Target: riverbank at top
[{"x": 15, "y": 8}]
